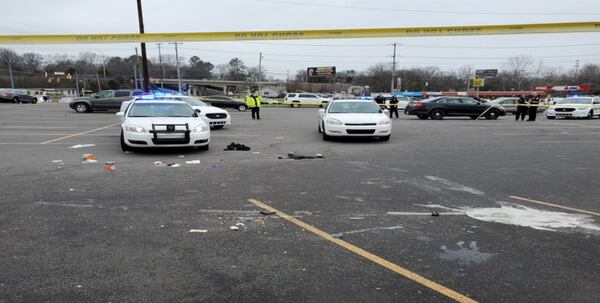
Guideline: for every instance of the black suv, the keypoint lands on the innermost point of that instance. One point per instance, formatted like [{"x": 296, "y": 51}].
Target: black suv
[
  {"x": 103, "y": 101},
  {"x": 440, "y": 107}
]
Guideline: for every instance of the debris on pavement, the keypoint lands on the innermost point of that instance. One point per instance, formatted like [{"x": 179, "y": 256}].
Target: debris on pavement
[
  {"x": 267, "y": 212},
  {"x": 173, "y": 165},
  {"x": 214, "y": 166},
  {"x": 58, "y": 161},
  {"x": 240, "y": 224},
  {"x": 356, "y": 218},
  {"x": 281, "y": 138},
  {"x": 109, "y": 166},
  {"x": 82, "y": 145},
  {"x": 181, "y": 156},
  {"x": 198, "y": 231},
  {"x": 159, "y": 163},
  {"x": 337, "y": 235},
  {"x": 89, "y": 158},
  {"x": 193, "y": 162},
  {"x": 295, "y": 156},
  {"x": 234, "y": 228},
  {"x": 435, "y": 213},
  {"x": 237, "y": 146}
]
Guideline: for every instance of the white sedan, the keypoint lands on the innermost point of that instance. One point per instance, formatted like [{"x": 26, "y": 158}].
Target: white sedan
[
  {"x": 162, "y": 123},
  {"x": 356, "y": 118},
  {"x": 575, "y": 107}
]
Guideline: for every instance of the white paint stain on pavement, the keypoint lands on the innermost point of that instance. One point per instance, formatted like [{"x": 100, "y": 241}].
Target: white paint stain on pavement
[
  {"x": 465, "y": 255},
  {"x": 359, "y": 231},
  {"x": 515, "y": 214},
  {"x": 451, "y": 185}
]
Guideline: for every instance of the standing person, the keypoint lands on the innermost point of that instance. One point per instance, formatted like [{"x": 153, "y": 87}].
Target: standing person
[
  {"x": 394, "y": 106},
  {"x": 253, "y": 102},
  {"x": 380, "y": 100},
  {"x": 533, "y": 106},
  {"x": 521, "y": 109}
]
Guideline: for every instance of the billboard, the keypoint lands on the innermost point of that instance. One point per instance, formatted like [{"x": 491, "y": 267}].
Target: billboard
[
  {"x": 486, "y": 73},
  {"x": 323, "y": 71}
]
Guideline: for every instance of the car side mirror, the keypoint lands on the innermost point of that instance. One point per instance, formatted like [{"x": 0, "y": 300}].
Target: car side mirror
[
  {"x": 197, "y": 111},
  {"x": 120, "y": 114}
]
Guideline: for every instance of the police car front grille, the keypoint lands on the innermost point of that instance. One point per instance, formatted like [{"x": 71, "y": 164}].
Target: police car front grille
[
  {"x": 216, "y": 116},
  {"x": 565, "y": 109}
]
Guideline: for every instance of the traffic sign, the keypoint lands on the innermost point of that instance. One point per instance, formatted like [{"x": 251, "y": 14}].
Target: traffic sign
[{"x": 478, "y": 82}]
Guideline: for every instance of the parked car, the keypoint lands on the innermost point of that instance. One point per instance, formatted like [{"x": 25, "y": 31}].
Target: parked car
[
  {"x": 439, "y": 107},
  {"x": 575, "y": 107},
  {"x": 105, "y": 100},
  {"x": 225, "y": 102},
  {"x": 355, "y": 118},
  {"x": 510, "y": 104},
  {"x": 17, "y": 96},
  {"x": 299, "y": 99}
]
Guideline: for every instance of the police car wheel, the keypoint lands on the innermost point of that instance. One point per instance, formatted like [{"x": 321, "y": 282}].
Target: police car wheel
[
  {"x": 124, "y": 146},
  {"x": 242, "y": 108},
  {"x": 551, "y": 118},
  {"x": 384, "y": 138},
  {"x": 590, "y": 115},
  {"x": 325, "y": 136}
]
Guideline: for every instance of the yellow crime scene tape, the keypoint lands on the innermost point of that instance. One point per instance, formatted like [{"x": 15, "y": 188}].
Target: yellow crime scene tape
[{"x": 468, "y": 30}]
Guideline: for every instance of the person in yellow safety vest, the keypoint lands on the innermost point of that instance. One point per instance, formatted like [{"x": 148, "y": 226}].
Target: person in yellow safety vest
[{"x": 253, "y": 102}]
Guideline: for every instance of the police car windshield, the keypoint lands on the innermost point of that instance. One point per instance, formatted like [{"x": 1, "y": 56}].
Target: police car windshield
[
  {"x": 354, "y": 108},
  {"x": 161, "y": 110},
  {"x": 576, "y": 101}
]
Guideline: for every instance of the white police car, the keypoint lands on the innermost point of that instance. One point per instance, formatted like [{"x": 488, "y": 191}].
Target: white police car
[
  {"x": 575, "y": 107},
  {"x": 162, "y": 123},
  {"x": 215, "y": 117},
  {"x": 354, "y": 118}
]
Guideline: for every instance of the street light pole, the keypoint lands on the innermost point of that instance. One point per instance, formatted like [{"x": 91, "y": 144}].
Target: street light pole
[
  {"x": 162, "y": 69},
  {"x": 146, "y": 83},
  {"x": 178, "y": 69},
  {"x": 393, "y": 70},
  {"x": 260, "y": 57}
]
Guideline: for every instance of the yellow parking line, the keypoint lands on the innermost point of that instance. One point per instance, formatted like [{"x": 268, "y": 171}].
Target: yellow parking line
[
  {"x": 365, "y": 254},
  {"x": 557, "y": 206},
  {"x": 79, "y": 134}
]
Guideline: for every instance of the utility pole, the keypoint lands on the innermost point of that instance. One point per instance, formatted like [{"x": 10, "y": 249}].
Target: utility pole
[
  {"x": 288, "y": 76},
  {"x": 162, "y": 69},
  {"x": 393, "y": 70},
  {"x": 146, "y": 82},
  {"x": 137, "y": 58},
  {"x": 577, "y": 67},
  {"x": 77, "y": 83},
  {"x": 178, "y": 69},
  {"x": 135, "y": 77},
  {"x": 98, "y": 80},
  {"x": 12, "y": 80},
  {"x": 260, "y": 57}
]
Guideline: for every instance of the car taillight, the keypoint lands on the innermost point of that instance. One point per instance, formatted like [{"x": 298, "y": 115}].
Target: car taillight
[{"x": 418, "y": 104}]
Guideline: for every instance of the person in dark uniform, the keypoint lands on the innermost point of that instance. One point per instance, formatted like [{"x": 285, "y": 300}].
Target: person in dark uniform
[
  {"x": 394, "y": 106},
  {"x": 521, "y": 109},
  {"x": 380, "y": 100},
  {"x": 533, "y": 106}
]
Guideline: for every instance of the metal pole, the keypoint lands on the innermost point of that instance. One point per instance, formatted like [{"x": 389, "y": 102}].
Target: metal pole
[
  {"x": 77, "y": 83},
  {"x": 135, "y": 78},
  {"x": 178, "y": 69},
  {"x": 137, "y": 58},
  {"x": 393, "y": 70},
  {"x": 162, "y": 76},
  {"x": 98, "y": 80},
  {"x": 146, "y": 76},
  {"x": 12, "y": 80},
  {"x": 260, "y": 57}
]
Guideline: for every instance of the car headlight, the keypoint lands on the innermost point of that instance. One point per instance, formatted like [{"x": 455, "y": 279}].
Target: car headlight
[
  {"x": 334, "y": 121},
  {"x": 135, "y": 129},
  {"x": 200, "y": 128},
  {"x": 385, "y": 121}
]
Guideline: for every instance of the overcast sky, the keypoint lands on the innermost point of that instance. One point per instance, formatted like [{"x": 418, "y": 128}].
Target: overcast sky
[{"x": 120, "y": 16}]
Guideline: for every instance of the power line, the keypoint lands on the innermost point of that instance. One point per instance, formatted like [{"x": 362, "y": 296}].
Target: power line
[{"x": 428, "y": 11}]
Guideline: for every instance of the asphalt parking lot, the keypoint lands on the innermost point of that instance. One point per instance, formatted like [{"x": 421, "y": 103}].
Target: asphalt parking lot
[{"x": 72, "y": 232}]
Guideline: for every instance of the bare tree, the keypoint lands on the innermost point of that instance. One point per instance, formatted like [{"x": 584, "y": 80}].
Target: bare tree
[
  {"x": 519, "y": 69},
  {"x": 9, "y": 58},
  {"x": 32, "y": 62}
]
